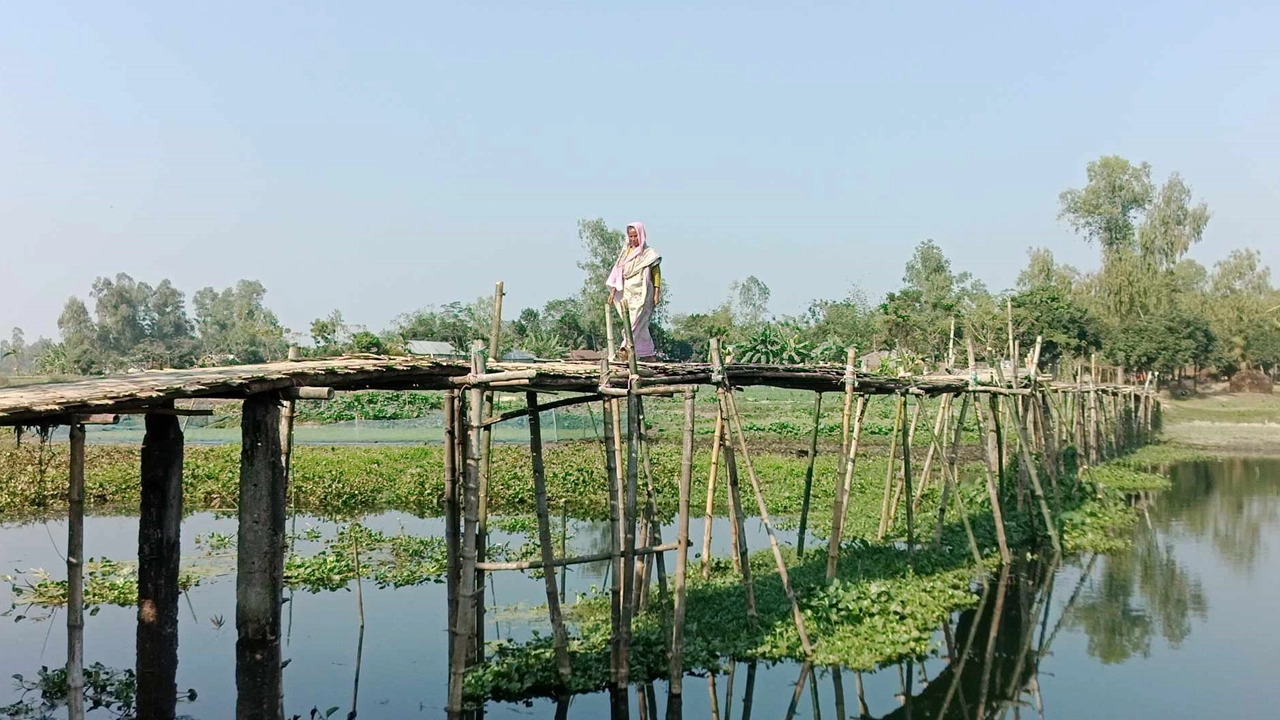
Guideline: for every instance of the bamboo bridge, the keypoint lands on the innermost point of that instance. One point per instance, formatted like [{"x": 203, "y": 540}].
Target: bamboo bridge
[{"x": 1042, "y": 418}]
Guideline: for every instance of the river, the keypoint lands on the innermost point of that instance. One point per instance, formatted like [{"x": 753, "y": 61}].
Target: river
[{"x": 1176, "y": 626}]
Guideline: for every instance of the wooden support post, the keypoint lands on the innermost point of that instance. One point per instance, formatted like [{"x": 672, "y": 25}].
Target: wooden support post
[
  {"x": 260, "y": 561},
  {"x": 682, "y": 554},
  {"x": 75, "y": 576},
  {"x": 452, "y": 513},
  {"x": 850, "y": 382},
  {"x": 561, "y": 639},
  {"x": 468, "y": 587},
  {"x": 159, "y": 553},
  {"x": 842, "y": 493},
  {"x": 736, "y": 422},
  {"x": 808, "y": 474},
  {"x": 652, "y": 525},
  {"x": 716, "y": 442},
  {"x": 898, "y": 420}
]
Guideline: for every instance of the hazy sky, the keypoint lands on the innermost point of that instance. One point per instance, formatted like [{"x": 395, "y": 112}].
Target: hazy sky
[{"x": 378, "y": 157}]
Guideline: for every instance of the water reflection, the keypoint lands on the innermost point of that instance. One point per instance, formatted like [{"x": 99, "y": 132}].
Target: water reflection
[{"x": 1209, "y": 542}]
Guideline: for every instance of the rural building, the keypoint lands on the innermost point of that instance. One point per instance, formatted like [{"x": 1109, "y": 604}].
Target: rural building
[{"x": 433, "y": 348}]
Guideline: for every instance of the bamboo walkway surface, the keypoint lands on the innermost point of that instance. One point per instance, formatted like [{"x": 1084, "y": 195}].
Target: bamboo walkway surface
[{"x": 136, "y": 392}]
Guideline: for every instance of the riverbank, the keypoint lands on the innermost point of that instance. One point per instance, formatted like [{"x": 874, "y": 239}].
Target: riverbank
[{"x": 1224, "y": 423}]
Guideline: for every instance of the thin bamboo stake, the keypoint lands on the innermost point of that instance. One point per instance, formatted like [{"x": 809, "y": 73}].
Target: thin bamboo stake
[
  {"x": 888, "y": 476},
  {"x": 736, "y": 422},
  {"x": 682, "y": 555},
  {"x": 1035, "y": 484},
  {"x": 909, "y": 442},
  {"x": 949, "y": 479},
  {"x": 944, "y": 406},
  {"x": 993, "y": 491},
  {"x": 907, "y": 437},
  {"x": 75, "y": 576},
  {"x": 808, "y": 474},
  {"x": 842, "y": 495},
  {"x": 711, "y": 494},
  {"x": 739, "y": 531},
  {"x": 482, "y": 516},
  {"x": 544, "y": 536}
]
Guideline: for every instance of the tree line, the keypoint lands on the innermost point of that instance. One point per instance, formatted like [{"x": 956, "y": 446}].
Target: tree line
[{"x": 1147, "y": 307}]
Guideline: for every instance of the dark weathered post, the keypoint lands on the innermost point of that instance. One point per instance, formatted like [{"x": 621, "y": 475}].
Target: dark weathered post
[
  {"x": 260, "y": 561},
  {"x": 75, "y": 575},
  {"x": 159, "y": 553},
  {"x": 468, "y": 588},
  {"x": 452, "y": 515}
]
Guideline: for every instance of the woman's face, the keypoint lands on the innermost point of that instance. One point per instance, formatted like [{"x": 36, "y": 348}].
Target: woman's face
[{"x": 633, "y": 237}]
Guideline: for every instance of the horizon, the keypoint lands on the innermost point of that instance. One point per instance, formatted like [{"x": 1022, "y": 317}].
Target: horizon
[{"x": 357, "y": 161}]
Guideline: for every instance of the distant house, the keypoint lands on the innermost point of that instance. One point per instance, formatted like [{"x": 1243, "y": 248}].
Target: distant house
[
  {"x": 518, "y": 355},
  {"x": 586, "y": 355},
  {"x": 433, "y": 348}
]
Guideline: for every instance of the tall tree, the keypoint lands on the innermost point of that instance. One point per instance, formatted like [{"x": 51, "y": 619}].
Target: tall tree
[
  {"x": 750, "y": 301},
  {"x": 602, "y": 246},
  {"x": 236, "y": 326}
]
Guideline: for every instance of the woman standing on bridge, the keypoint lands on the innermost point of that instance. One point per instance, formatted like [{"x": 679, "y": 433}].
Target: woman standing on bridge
[{"x": 635, "y": 286}]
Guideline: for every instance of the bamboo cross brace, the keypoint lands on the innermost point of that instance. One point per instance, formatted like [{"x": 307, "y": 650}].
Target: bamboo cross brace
[
  {"x": 944, "y": 409},
  {"x": 736, "y": 422},
  {"x": 949, "y": 479},
  {"x": 993, "y": 491}
]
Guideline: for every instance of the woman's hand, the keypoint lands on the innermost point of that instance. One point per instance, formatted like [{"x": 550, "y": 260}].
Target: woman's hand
[{"x": 613, "y": 296}]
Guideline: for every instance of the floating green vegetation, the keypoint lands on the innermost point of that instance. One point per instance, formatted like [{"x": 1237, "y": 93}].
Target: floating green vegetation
[
  {"x": 1160, "y": 455},
  {"x": 106, "y": 582},
  {"x": 392, "y": 561},
  {"x": 112, "y": 689}
]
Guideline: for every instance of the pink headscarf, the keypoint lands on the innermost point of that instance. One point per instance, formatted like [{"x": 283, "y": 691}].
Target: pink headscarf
[{"x": 616, "y": 275}]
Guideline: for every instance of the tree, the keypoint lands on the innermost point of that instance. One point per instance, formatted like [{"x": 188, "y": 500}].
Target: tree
[
  {"x": 1142, "y": 232},
  {"x": 1064, "y": 326},
  {"x": 330, "y": 333},
  {"x": 603, "y": 246},
  {"x": 79, "y": 353},
  {"x": 918, "y": 317},
  {"x": 1043, "y": 271},
  {"x": 1243, "y": 306},
  {"x": 750, "y": 300},
  {"x": 235, "y": 326}
]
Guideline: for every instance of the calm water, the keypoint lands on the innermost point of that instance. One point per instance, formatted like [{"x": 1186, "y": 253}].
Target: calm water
[{"x": 1179, "y": 626}]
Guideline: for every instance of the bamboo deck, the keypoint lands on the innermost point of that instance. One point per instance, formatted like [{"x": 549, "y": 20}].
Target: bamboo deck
[{"x": 136, "y": 392}]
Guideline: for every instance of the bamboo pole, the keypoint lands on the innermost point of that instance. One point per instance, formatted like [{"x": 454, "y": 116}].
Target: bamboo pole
[
  {"x": 736, "y": 422},
  {"x": 950, "y": 480},
  {"x": 468, "y": 588},
  {"x": 615, "y": 536},
  {"x": 1035, "y": 485},
  {"x": 842, "y": 494},
  {"x": 709, "y": 516},
  {"x": 75, "y": 576},
  {"x": 909, "y": 439},
  {"x": 739, "y": 531},
  {"x": 898, "y": 420},
  {"x": 682, "y": 554},
  {"x": 987, "y": 429},
  {"x": 561, "y": 639},
  {"x": 482, "y": 513},
  {"x": 736, "y": 514},
  {"x": 808, "y": 474},
  {"x": 944, "y": 408}
]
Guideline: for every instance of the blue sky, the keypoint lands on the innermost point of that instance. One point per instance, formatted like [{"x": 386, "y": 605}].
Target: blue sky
[{"x": 377, "y": 157}]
